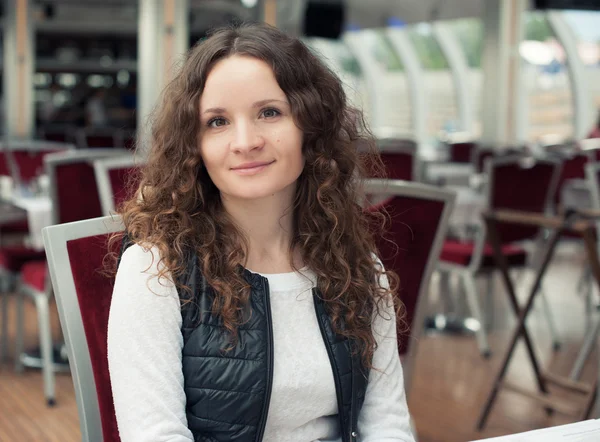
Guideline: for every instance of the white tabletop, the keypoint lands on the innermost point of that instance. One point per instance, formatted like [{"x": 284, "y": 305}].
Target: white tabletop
[
  {"x": 39, "y": 215},
  {"x": 468, "y": 206}
]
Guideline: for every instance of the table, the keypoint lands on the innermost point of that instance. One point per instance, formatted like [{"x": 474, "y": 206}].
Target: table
[
  {"x": 466, "y": 219},
  {"x": 447, "y": 173},
  {"x": 575, "y": 194},
  {"x": 581, "y": 223},
  {"x": 38, "y": 210},
  {"x": 10, "y": 213},
  {"x": 584, "y": 431}
]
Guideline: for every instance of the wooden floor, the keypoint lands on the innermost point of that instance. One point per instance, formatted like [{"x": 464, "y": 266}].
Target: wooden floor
[{"x": 451, "y": 379}]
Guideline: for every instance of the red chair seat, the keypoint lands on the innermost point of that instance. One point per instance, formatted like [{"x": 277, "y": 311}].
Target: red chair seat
[
  {"x": 461, "y": 253},
  {"x": 12, "y": 258},
  {"x": 34, "y": 274}
]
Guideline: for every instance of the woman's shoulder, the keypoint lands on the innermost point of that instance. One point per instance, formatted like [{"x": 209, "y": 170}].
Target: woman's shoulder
[{"x": 141, "y": 258}]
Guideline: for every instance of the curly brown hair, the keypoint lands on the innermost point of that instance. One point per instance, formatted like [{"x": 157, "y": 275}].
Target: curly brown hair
[{"x": 178, "y": 207}]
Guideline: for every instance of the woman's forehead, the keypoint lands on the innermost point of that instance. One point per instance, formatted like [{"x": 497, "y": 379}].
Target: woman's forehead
[{"x": 238, "y": 81}]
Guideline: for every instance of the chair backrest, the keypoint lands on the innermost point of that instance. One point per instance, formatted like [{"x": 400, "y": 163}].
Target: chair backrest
[
  {"x": 75, "y": 253},
  {"x": 411, "y": 246},
  {"x": 27, "y": 157},
  {"x": 521, "y": 183},
  {"x": 57, "y": 133},
  {"x": 400, "y": 158},
  {"x": 114, "y": 176},
  {"x": 480, "y": 156},
  {"x": 461, "y": 152},
  {"x": 73, "y": 187},
  {"x": 99, "y": 138}
]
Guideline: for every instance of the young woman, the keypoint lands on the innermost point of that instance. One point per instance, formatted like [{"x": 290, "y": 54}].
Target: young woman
[{"x": 250, "y": 304}]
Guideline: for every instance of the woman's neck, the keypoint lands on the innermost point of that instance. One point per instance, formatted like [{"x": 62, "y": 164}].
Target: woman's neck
[{"x": 267, "y": 225}]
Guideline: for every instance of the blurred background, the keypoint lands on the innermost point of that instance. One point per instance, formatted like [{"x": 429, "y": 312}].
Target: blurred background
[{"x": 478, "y": 105}]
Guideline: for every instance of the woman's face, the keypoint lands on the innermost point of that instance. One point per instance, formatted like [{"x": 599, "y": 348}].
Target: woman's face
[{"x": 249, "y": 142}]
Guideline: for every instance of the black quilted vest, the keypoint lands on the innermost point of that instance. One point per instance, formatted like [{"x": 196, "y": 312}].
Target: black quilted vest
[{"x": 228, "y": 393}]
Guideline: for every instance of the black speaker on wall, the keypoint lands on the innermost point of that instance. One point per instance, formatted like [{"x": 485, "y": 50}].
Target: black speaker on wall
[
  {"x": 588, "y": 5},
  {"x": 324, "y": 18}
]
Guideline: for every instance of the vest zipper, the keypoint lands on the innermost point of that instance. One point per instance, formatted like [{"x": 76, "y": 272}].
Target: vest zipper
[
  {"x": 352, "y": 394},
  {"x": 265, "y": 411},
  {"x": 338, "y": 387}
]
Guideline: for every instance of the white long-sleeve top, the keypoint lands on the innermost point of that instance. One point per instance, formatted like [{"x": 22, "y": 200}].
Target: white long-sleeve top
[{"x": 145, "y": 363}]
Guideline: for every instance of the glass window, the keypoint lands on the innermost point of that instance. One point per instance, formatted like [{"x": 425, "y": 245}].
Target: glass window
[
  {"x": 586, "y": 26},
  {"x": 392, "y": 84},
  {"x": 441, "y": 96},
  {"x": 546, "y": 80},
  {"x": 339, "y": 58},
  {"x": 469, "y": 33}
]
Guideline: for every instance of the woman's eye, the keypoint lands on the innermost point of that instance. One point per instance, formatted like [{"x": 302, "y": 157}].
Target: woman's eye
[
  {"x": 216, "y": 122},
  {"x": 270, "y": 113}
]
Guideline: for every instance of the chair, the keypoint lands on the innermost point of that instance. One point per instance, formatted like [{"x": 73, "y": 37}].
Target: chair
[
  {"x": 75, "y": 255},
  {"x": 57, "y": 133},
  {"x": 28, "y": 157},
  {"x": 23, "y": 161},
  {"x": 99, "y": 137},
  {"x": 515, "y": 182},
  {"x": 75, "y": 197},
  {"x": 461, "y": 152},
  {"x": 419, "y": 218},
  {"x": 113, "y": 176},
  {"x": 400, "y": 159},
  {"x": 482, "y": 154}
]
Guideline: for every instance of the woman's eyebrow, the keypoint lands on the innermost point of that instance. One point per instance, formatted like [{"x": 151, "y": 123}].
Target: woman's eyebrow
[
  {"x": 214, "y": 110},
  {"x": 260, "y": 103}
]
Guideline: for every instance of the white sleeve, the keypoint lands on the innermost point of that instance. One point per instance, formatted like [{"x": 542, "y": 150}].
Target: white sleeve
[
  {"x": 144, "y": 352},
  {"x": 384, "y": 416}
]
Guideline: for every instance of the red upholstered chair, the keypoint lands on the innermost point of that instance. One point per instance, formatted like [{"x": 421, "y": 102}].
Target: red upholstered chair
[
  {"x": 75, "y": 197},
  {"x": 99, "y": 138},
  {"x": 400, "y": 159},
  {"x": 83, "y": 294},
  {"x": 24, "y": 162},
  {"x": 480, "y": 156},
  {"x": 518, "y": 183},
  {"x": 461, "y": 152},
  {"x": 28, "y": 157},
  {"x": 419, "y": 219},
  {"x": 114, "y": 177},
  {"x": 73, "y": 186},
  {"x": 57, "y": 133}
]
